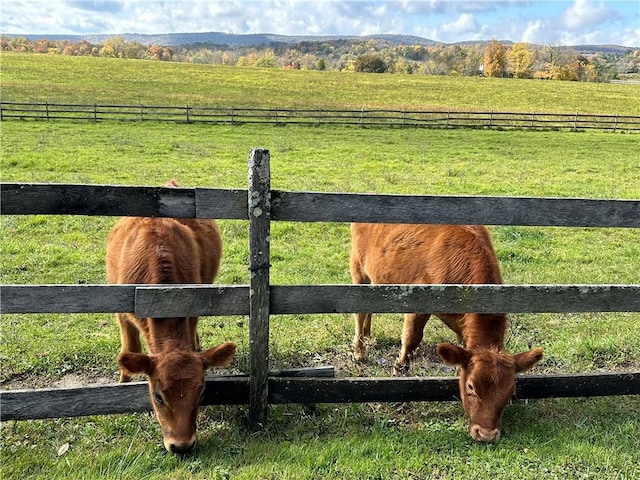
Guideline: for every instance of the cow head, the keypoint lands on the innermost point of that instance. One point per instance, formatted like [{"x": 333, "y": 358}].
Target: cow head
[
  {"x": 176, "y": 387},
  {"x": 487, "y": 383}
]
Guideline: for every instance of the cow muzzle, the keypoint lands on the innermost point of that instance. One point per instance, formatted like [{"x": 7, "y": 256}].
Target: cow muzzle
[
  {"x": 486, "y": 435},
  {"x": 180, "y": 447}
]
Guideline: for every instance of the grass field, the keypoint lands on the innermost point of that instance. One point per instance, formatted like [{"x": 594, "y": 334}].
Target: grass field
[
  {"x": 561, "y": 438},
  {"x": 55, "y": 78}
]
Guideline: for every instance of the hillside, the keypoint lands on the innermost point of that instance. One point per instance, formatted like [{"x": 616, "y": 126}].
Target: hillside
[{"x": 262, "y": 39}]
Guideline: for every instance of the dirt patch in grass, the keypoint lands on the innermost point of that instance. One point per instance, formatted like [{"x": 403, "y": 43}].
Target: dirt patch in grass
[{"x": 71, "y": 380}]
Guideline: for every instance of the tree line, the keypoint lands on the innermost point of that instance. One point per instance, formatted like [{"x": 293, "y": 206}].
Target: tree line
[{"x": 491, "y": 59}]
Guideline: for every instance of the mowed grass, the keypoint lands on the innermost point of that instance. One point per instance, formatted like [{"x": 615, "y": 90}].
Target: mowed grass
[{"x": 561, "y": 438}]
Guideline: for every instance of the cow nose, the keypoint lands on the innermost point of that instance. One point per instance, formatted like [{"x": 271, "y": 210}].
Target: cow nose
[
  {"x": 182, "y": 448},
  {"x": 486, "y": 435}
]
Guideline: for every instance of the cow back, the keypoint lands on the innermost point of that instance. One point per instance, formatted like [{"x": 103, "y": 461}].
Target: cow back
[
  {"x": 163, "y": 251},
  {"x": 423, "y": 254}
]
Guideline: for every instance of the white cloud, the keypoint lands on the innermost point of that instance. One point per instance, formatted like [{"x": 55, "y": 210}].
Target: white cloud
[
  {"x": 105, "y": 6},
  {"x": 540, "y": 31},
  {"x": 583, "y": 14},
  {"x": 465, "y": 23},
  {"x": 425, "y": 7}
]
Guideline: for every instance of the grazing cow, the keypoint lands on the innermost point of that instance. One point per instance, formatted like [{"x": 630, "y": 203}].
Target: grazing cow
[
  {"x": 444, "y": 254},
  {"x": 167, "y": 251}
]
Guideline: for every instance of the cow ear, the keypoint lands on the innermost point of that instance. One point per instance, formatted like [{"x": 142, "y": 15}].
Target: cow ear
[
  {"x": 133, "y": 363},
  {"x": 527, "y": 360},
  {"x": 453, "y": 355},
  {"x": 219, "y": 356}
]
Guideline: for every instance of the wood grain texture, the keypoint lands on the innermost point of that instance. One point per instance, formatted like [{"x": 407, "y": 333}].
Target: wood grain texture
[
  {"x": 454, "y": 298},
  {"x": 68, "y": 199},
  {"x": 465, "y": 210},
  {"x": 259, "y": 203},
  {"x": 220, "y": 300},
  {"x": 67, "y": 298},
  {"x": 108, "y": 200},
  {"x": 191, "y": 300}
]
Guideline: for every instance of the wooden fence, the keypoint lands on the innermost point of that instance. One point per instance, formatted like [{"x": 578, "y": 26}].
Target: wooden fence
[
  {"x": 364, "y": 118},
  {"x": 260, "y": 205}
]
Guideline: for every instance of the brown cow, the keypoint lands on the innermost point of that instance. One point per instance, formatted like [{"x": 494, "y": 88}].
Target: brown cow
[
  {"x": 444, "y": 254},
  {"x": 167, "y": 251}
]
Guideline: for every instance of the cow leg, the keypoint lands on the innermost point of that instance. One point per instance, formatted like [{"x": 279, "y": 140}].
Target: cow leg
[
  {"x": 129, "y": 340},
  {"x": 363, "y": 330},
  {"x": 362, "y": 320},
  {"x": 193, "y": 333},
  {"x": 412, "y": 333},
  {"x": 454, "y": 322}
]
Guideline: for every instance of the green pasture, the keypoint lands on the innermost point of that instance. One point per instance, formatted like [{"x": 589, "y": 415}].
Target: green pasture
[
  {"x": 554, "y": 438},
  {"x": 59, "y": 79}
]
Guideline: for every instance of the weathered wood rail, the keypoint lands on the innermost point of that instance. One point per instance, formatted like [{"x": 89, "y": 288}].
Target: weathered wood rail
[
  {"x": 573, "y": 121},
  {"x": 261, "y": 205},
  {"x": 69, "y": 199}
]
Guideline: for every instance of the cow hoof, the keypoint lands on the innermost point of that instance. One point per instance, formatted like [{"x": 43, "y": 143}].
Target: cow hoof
[
  {"x": 360, "y": 355},
  {"x": 400, "y": 369}
]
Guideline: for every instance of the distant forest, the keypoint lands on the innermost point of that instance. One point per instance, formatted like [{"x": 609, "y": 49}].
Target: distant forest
[{"x": 492, "y": 59}]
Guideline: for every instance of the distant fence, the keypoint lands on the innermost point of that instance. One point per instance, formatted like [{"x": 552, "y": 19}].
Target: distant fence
[
  {"x": 285, "y": 116},
  {"x": 626, "y": 82},
  {"x": 260, "y": 206}
]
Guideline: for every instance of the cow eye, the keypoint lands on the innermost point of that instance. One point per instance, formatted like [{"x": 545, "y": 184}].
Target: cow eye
[
  {"x": 470, "y": 388},
  {"x": 158, "y": 398}
]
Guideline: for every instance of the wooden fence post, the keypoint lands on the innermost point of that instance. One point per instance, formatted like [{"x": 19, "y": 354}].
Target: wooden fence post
[{"x": 259, "y": 256}]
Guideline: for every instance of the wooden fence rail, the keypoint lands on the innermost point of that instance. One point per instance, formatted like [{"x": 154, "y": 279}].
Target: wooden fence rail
[
  {"x": 363, "y": 118},
  {"x": 281, "y": 388},
  {"x": 69, "y": 199},
  {"x": 223, "y": 300},
  {"x": 259, "y": 206}
]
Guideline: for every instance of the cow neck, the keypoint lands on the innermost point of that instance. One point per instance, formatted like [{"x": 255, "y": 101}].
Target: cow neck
[
  {"x": 169, "y": 334},
  {"x": 484, "y": 331}
]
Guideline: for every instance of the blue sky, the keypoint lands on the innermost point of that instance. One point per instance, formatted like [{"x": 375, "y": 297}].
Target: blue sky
[{"x": 543, "y": 22}]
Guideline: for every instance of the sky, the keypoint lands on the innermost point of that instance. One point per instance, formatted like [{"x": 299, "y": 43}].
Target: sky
[{"x": 543, "y": 22}]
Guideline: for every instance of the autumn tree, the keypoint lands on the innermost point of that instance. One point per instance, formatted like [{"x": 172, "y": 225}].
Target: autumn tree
[
  {"x": 495, "y": 59},
  {"x": 370, "y": 64},
  {"x": 521, "y": 58},
  {"x": 20, "y": 44},
  {"x": 266, "y": 60},
  {"x": 113, "y": 48},
  {"x": 42, "y": 46}
]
